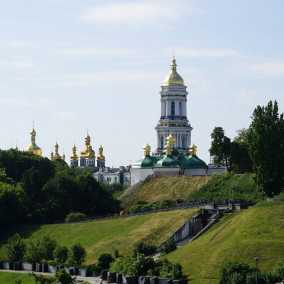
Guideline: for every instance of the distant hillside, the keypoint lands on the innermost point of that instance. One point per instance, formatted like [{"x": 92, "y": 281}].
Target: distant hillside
[
  {"x": 223, "y": 186},
  {"x": 158, "y": 189},
  {"x": 257, "y": 231},
  {"x": 105, "y": 236}
]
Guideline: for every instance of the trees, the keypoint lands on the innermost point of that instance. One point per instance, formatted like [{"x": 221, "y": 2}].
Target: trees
[
  {"x": 266, "y": 148},
  {"x": 47, "y": 246},
  {"x": 77, "y": 254},
  {"x": 104, "y": 260},
  {"x": 15, "y": 248},
  {"x": 168, "y": 246},
  {"x": 144, "y": 247},
  {"x": 60, "y": 254}
]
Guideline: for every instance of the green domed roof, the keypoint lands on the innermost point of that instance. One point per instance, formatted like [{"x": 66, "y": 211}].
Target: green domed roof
[
  {"x": 168, "y": 162},
  {"x": 192, "y": 162},
  {"x": 175, "y": 152}
]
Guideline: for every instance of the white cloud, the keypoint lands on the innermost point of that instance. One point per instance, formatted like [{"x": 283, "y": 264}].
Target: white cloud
[
  {"x": 63, "y": 114},
  {"x": 17, "y": 64},
  {"x": 18, "y": 44},
  {"x": 139, "y": 14},
  {"x": 271, "y": 69}
]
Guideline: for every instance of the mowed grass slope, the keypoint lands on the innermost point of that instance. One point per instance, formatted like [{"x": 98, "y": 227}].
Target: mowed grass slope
[
  {"x": 11, "y": 277},
  {"x": 107, "y": 235},
  {"x": 258, "y": 231},
  {"x": 159, "y": 189}
]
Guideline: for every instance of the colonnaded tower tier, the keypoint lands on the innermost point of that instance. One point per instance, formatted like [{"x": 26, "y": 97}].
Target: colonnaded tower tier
[{"x": 173, "y": 113}]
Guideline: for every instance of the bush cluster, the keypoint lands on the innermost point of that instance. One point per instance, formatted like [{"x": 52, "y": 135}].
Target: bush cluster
[{"x": 143, "y": 206}]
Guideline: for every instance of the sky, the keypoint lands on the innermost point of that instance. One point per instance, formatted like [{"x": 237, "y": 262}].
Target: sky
[{"x": 73, "y": 66}]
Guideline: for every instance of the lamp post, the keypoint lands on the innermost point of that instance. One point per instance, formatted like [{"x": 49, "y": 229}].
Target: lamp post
[{"x": 256, "y": 264}]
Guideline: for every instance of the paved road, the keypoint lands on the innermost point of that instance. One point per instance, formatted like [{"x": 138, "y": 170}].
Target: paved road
[{"x": 91, "y": 280}]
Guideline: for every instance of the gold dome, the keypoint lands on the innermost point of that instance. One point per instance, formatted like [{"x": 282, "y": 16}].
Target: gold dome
[
  {"x": 84, "y": 152},
  {"x": 91, "y": 153},
  {"x": 173, "y": 78},
  {"x": 33, "y": 148},
  {"x": 56, "y": 154},
  {"x": 192, "y": 149},
  {"x": 74, "y": 156},
  {"x": 147, "y": 150},
  {"x": 101, "y": 156},
  {"x": 172, "y": 140}
]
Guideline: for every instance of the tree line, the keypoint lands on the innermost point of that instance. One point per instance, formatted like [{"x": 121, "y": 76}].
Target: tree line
[
  {"x": 34, "y": 189},
  {"x": 258, "y": 149}
]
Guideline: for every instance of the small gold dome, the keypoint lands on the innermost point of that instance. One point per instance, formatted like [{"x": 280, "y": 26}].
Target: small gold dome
[
  {"x": 74, "y": 156},
  {"x": 173, "y": 78},
  {"x": 147, "y": 150},
  {"x": 91, "y": 153},
  {"x": 101, "y": 156},
  {"x": 192, "y": 149},
  {"x": 84, "y": 152},
  {"x": 33, "y": 148}
]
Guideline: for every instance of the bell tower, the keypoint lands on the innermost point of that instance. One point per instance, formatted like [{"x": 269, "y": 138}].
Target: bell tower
[{"x": 173, "y": 117}]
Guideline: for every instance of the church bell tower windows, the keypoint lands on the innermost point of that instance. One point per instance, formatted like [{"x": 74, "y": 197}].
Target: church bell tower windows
[{"x": 172, "y": 109}]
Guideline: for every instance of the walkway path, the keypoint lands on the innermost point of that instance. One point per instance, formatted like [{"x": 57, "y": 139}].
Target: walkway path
[{"x": 91, "y": 280}]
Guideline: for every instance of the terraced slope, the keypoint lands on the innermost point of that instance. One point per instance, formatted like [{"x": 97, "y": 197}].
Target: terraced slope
[
  {"x": 258, "y": 231},
  {"x": 161, "y": 188},
  {"x": 107, "y": 235}
]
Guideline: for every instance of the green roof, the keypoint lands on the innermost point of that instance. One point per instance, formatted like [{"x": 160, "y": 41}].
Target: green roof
[
  {"x": 192, "y": 162},
  {"x": 167, "y": 162},
  {"x": 175, "y": 152}
]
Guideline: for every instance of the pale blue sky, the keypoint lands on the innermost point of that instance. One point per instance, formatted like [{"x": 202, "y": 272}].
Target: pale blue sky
[{"x": 70, "y": 65}]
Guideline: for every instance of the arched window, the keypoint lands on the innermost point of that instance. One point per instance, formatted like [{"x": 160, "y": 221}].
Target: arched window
[
  {"x": 173, "y": 109},
  {"x": 180, "y": 111},
  {"x": 162, "y": 142}
]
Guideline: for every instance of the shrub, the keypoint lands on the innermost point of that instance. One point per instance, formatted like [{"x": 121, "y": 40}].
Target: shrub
[
  {"x": 143, "y": 247},
  {"x": 116, "y": 253},
  {"x": 40, "y": 279},
  {"x": 167, "y": 203},
  {"x": 15, "y": 248},
  {"x": 229, "y": 269},
  {"x": 168, "y": 246},
  {"x": 60, "y": 254},
  {"x": 63, "y": 277},
  {"x": 278, "y": 270},
  {"x": 104, "y": 260},
  {"x": 75, "y": 216},
  {"x": 77, "y": 254},
  {"x": 140, "y": 265}
]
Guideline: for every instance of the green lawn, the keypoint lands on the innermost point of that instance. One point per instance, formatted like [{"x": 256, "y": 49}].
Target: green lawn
[
  {"x": 10, "y": 278},
  {"x": 257, "y": 231},
  {"x": 106, "y": 236}
]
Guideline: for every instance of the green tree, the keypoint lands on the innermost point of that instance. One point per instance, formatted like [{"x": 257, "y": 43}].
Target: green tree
[
  {"x": 60, "y": 254},
  {"x": 143, "y": 247},
  {"x": 33, "y": 252},
  {"x": 40, "y": 279},
  {"x": 221, "y": 148},
  {"x": 77, "y": 254},
  {"x": 63, "y": 277},
  {"x": 15, "y": 248},
  {"x": 104, "y": 260},
  {"x": 47, "y": 246},
  {"x": 266, "y": 148},
  {"x": 140, "y": 265},
  {"x": 168, "y": 246}
]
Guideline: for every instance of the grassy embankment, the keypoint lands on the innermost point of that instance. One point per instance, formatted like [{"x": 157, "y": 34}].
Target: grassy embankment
[
  {"x": 257, "y": 231},
  {"x": 105, "y": 236},
  {"x": 159, "y": 189},
  {"x": 221, "y": 187},
  {"x": 11, "y": 277}
]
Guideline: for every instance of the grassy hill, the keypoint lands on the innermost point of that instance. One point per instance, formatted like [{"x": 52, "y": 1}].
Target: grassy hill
[
  {"x": 105, "y": 236},
  {"x": 257, "y": 231},
  {"x": 161, "y": 188}
]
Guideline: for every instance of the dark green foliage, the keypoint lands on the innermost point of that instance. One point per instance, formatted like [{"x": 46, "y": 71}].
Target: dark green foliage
[
  {"x": 60, "y": 254},
  {"x": 40, "y": 279},
  {"x": 234, "y": 270},
  {"x": 104, "y": 260},
  {"x": 220, "y": 187},
  {"x": 168, "y": 269},
  {"x": 75, "y": 216},
  {"x": 140, "y": 265},
  {"x": 63, "y": 277},
  {"x": 10, "y": 204},
  {"x": 278, "y": 270},
  {"x": 15, "y": 248},
  {"x": 263, "y": 277},
  {"x": 33, "y": 252},
  {"x": 266, "y": 148},
  {"x": 116, "y": 253},
  {"x": 47, "y": 246},
  {"x": 144, "y": 206},
  {"x": 77, "y": 254},
  {"x": 144, "y": 247},
  {"x": 18, "y": 282},
  {"x": 168, "y": 246}
]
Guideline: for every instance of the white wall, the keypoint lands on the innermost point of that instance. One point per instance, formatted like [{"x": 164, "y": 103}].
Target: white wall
[{"x": 139, "y": 174}]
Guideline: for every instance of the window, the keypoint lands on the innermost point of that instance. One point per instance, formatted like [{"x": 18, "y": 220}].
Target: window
[
  {"x": 115, "y": 179},
  {"x": 173, "y": 109},
  {"x": 162, "y": 142},
  {"x": 183, "y": 142},
  {"x": 180, "y": 112}
]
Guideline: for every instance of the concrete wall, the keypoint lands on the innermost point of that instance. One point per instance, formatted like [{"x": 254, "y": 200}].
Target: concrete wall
[
  {"x": 139, "y": 175},
  {"x": 195, "y": 172},
  {"x": 165, "y": 172}
]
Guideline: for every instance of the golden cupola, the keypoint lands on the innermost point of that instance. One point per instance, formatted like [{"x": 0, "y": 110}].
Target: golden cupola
[
  {"x": 63, "y": 156},
  {"x": 147, "y": 150},
  {"x": 51, "y": 156},
  {"x": 84, "y": 152},
  {"x": 33, "y": 148},
  {"x": 74, "y": 155},
  {"x": 173, "y": 79},
  {"x": 101, "y": 156},
  {"x": 90, "y": 153},
  {"x": 192, "y": 150},
  {"x": 171, "y": 140},
  {"x": 56, "y": 154}
]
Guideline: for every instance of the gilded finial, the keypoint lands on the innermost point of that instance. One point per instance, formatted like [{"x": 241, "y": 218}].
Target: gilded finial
[
  {"x": 147, "y": 150},
  {"x": 192, "y": 150}
]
